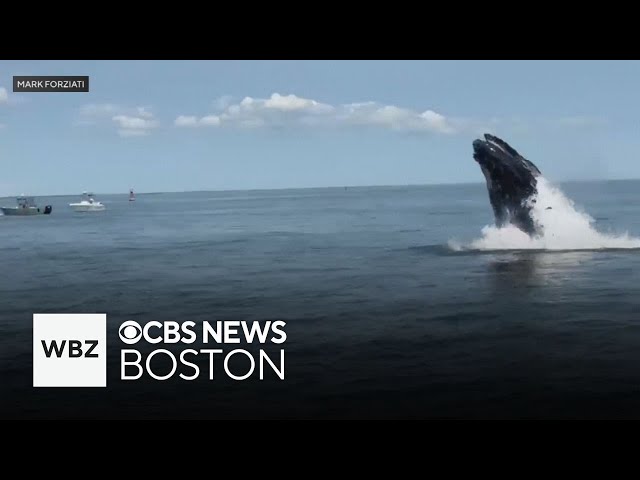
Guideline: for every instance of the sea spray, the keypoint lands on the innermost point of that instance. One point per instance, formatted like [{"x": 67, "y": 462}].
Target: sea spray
[{"x": 564, "y": 228}]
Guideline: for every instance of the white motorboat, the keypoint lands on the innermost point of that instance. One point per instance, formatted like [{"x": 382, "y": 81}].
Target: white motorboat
[
  {"x": 26, "y": 206},
  {"x": 88, "y": 204}
]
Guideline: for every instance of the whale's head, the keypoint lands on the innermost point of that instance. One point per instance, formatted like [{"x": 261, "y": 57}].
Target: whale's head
[{"x": 511, "y": 182}]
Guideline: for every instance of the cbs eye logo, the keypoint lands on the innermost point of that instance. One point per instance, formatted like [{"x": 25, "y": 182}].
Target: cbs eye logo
[{"x": 130, "y": 332}]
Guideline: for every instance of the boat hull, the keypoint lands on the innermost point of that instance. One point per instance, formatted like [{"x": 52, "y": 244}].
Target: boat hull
[
  {"x": 24, "y": 212},
  {"x": 87, "y": 208}
]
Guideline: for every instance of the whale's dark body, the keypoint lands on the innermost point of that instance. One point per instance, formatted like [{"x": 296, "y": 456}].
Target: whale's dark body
[{"x": 511, "y": 183}]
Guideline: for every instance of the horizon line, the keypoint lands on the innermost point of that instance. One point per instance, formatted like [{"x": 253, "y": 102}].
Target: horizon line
[{"x": 264, "y": 189}]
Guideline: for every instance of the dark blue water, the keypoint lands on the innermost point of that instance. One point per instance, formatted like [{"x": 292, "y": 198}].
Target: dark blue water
[{"x": 384, "y": 319}]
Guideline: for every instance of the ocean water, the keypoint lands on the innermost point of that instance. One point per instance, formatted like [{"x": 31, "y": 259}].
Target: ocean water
[{"x": 399, "y": 302}]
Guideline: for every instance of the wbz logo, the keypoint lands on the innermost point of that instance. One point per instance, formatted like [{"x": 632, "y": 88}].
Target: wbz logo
[
  {"x": 69, "y": 350},
  {"x": 74, "y": 350}
]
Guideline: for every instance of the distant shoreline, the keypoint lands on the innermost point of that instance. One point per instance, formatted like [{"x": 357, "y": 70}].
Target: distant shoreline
[{"x": 333, "y": 187}]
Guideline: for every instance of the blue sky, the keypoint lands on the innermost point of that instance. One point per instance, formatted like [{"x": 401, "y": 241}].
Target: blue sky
[{"x": 211, "y": 125}]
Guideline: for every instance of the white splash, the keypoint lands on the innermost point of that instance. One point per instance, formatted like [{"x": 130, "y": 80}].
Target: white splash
[{"x": 565, "y": 228}]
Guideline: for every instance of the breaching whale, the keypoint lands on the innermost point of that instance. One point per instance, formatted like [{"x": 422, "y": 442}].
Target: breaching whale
[{"x": 511, "y": 183}]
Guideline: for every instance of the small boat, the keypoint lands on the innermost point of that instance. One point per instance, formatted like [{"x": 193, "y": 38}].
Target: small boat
[
  {"x": 26, "y": 206},
  {"x": 132, "y": 196},
  {"x": 88, "y": 204}
]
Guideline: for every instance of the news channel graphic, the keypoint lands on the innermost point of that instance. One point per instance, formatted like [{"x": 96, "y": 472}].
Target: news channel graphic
[
  {"x": 69, "y": 350},
  {"x": 51, "y": 83}
]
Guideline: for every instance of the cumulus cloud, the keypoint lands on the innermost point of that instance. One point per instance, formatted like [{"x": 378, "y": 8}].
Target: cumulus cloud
[
  {"x": 396, "y": 118},
  {"x": 129, "y": 126},
  {"x": 290, "y": 103},
  {"x": 128, "y": 121},
  {"x": 287, "y": 110},
  {"x": 281, "y": 110},
  {"x": 143, "y": 112},
  {"x": 133, "y": 123},
  {"x": 211, "y": 120},
  {"x": 186, "y": 121},
  {"x": 193, "y": 121}
]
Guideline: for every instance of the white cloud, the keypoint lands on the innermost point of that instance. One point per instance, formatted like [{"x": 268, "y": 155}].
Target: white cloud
[
  {"x": 435, "y": 121},
  {"x": 4, "y": 95},
  {"x": 129, "y": 121},
  {"x": 134, "y": 126},
  {"x": 211, "y": 120},
  {"x": 289, "y": 103},
  {"x": 281, "y": 110},
  {"x": 134, "y": 123},
  {"x": 186, "y": 121},
  {"x": 143, "y": 112},
  {"x": 287, "y": 110},
  {"x": 396, "y": 118},
  {"x": 109, "y": 110},
  {"x": 193, "y": 121}
]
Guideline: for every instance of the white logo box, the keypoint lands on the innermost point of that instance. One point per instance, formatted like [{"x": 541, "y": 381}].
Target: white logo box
[{"x": 74, "y": 353}]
